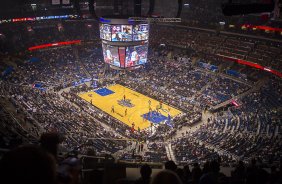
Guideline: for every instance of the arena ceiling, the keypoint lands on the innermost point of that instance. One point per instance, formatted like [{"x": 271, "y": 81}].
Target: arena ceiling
[
  {"x": 165, "y": 8},
  {"x": 18, "y": 8}
]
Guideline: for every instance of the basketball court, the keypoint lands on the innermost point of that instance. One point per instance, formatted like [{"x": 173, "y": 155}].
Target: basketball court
[{"x": 130, "y": 106}]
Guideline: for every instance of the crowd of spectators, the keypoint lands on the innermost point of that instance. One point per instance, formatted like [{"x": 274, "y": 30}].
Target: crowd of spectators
[
  {"x": 22, "y": 35},
  {"x": 262, "y": 51},
  {"x": 188, "y": 149},
  {"x": 50, "y": 68},
  {"x": 261, "y": 111},
  {"x": 156, "y": 152},
  {"x": 220, "y": 90},
  {"x": 239, "y": 144},
  {"x": 53, "y": 114}
]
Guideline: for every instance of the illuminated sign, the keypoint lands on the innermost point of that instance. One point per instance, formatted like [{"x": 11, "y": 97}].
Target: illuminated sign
[
  {"x": 265, "y": 28},
  {"x": 54, "y": 44},
  {"x": 251, "y": 64},
  {"x": 38, "y": 18}
]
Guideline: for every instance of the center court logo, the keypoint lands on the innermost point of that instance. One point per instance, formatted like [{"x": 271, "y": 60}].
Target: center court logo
[{"x": 125, "y": 103}]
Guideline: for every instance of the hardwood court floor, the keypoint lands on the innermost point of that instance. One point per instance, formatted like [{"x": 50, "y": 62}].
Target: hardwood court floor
[{"x": 137, "y": 106}]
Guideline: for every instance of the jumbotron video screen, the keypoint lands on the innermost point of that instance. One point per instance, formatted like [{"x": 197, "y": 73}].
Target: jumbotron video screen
[
  {"x": 125, "y": 57},
  {"x": 124, "y": 45},
  {"x": 136, "y": 55}
]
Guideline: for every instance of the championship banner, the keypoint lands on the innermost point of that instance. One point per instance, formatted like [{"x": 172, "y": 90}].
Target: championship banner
[
  {"x": 65, "y": 1},
  {"x": 56, "y": 2},
  {"x": 121, "y": 52}
]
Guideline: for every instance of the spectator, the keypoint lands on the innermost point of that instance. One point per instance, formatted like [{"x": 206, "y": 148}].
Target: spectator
[
  {"x": 212, "y": 176},
  {"x": 170, "y": 165},
  {"x": 187, "y": 173},
  {"x": 145, "y": 172},
  {"x": 166, "y": 177},
  {"x": 239, "y": 173},
  {"x": 196, "y": 173},
  {"x": 28, "y": 165},
  {"x": 50, "y": 142}
]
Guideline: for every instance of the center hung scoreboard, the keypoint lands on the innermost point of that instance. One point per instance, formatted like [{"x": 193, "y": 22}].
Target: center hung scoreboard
[{"x": 124, "y": 42}]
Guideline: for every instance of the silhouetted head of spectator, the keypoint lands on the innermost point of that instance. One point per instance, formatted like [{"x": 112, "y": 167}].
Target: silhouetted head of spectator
[
  {"x": 187, "y": 172},
  {"x": 257, "y": 176},
  {"x": 170, "y": 165},
  {"x": 187, "y": 169},
  {"x": 206, "y": 168},
  {"x": 195, "y": 165},
  {"x": 196, "y": 172},
  {"x": 166, "y": 177},
  {"x": 280, "y": 165},
  {"x": 239, "y": 171},
  {"x": 28, "y": 165},
  {"x": 253, "y": 162},
  {"x": 214, "y": 166},
  {"x": 213, "y": 176},
  {"x": 50, "y": 142},
  {"x": 240, "y": 166},
  {"x": 145, "y": 171},
  {"x": 180, "y": 173}
]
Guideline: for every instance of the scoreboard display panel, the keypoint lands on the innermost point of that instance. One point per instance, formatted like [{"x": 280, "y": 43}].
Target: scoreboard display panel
[
  {"x": 124, "y": 42},
  {"x": 140, "y": 32},
  {"x": 124, "y": 33},
  {"x": 105, "y": 32}
]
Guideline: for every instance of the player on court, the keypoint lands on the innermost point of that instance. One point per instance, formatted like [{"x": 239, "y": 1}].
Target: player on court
[
  {"x": 133, "y": 125},
  {"x": 161, "y": 105},
  {"x": 169, "y": 117},
  {"x": 113, "y": 109},
  {"x": 150, "y": 109}
]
